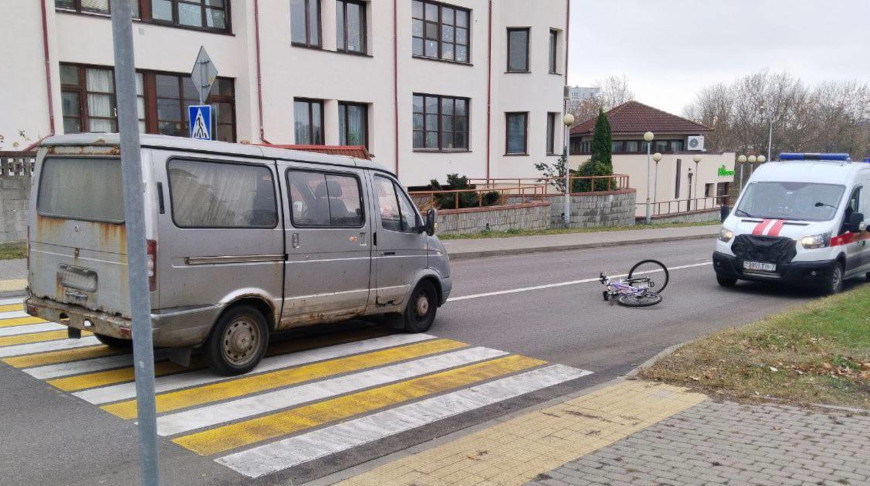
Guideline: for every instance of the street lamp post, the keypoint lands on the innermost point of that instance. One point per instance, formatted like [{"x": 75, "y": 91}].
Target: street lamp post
[
  {"x": 742, "y": 161},
  {"x": 568, "y": 120},
  {"x": 648, "y": 137},
  {"x": 657, "y": 157},
  {"x": 689, "y": 196},
  {"x": 697, "y": 159},
  {"x": 751, "y": 159},
  {"x": 763, "y": 109}
]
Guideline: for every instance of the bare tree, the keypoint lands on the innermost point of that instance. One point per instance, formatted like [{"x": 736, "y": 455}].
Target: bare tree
[{"x": 611, "y": 92}]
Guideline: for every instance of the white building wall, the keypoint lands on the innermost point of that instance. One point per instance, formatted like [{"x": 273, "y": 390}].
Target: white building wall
[{"x": 289, "y": 72}]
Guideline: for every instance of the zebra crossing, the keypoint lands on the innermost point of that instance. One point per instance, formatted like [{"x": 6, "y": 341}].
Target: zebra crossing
[{"x": 309, "y": 399}]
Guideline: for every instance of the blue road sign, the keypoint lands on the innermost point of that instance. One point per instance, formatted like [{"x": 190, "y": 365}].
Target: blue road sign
[{"x": 200, "y": 121}]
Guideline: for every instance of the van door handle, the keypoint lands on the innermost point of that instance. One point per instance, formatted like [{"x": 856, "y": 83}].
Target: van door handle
[
  {"x": 362, "y": 239},
  {"x": 389, "y": 253},
  {"x": 294, "y": 240}
]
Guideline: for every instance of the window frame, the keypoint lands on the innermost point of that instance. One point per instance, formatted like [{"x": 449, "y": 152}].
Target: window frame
[
  {"x": 398, "y": 190},
  {"x": 81, "y": 88},
  {"x": 308, "y": 44},
  {"x": 342, "y": 4},
  {"x": 79, "y": 9},
  {"x": 440, "y": 39},
  {"x": 525, "y": 115},
  {"x": 345, "y": 105},
  {"x": 528, "y": 32},
  {"x": 39, "y": 191},
  {"x": 551, "y": 133},
  {"x": 275, "y": 192},
  {"x": 440, "y": 129},
  {"x": 152, "y": 121},
  {"x": 553, "y": 57},
  {"x": 310, "y": 102},
  {"x": 204, "y": 27},
  {"x": 325, "y": 173}
]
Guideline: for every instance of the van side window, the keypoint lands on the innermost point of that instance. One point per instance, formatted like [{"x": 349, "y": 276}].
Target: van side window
[
  {"x": 324, "y": 199},
  {"x": 853, "y": 206},
  {"x": 397, "y": 212},
  {"x": 221, "y": 195}
]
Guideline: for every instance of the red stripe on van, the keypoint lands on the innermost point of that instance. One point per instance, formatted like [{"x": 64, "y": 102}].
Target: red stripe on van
[
  {"x": 759, "y": 228},
  {"x": 775, "y": 228}
]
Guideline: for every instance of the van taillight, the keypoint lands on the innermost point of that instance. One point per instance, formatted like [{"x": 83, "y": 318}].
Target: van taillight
[
  {"x": 151, "y": 248},
  {"x": 28, "y": 247}
]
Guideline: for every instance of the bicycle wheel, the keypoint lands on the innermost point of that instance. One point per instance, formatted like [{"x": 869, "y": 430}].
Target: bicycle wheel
[
  {"x": 645, "y": 299},
  {"x": 650, "y": 274}
]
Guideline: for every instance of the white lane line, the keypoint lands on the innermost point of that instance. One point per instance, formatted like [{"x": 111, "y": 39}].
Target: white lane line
[
  {"x": 46, "y": 346},
  {"x": 85, "y": 366},
  {"x": 11, "y": 301},
  {"x": 123, "y": 391},
  {"x": 13, "y": 315},
  {"x": 30, "y": 328},
  {"x": 287, "y": 453},
  {"x": 559, "y": 284},
  {"x": 290, "y": 397}
]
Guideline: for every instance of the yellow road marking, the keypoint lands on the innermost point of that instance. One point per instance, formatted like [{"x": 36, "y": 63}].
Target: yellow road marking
[
  {"x": 36, "y": 337},
  {"x": 514, "y": 452},
  {"x": 111, "y": 377},
  {"x": 321, "y": 341},
  {"x": 66, "y": 356},
  {"x": 11, "y": 307},
  {"x": 246, "y": 385},
  {"x": 289, "y": 421},
  {"x": 20, "y": 321}
]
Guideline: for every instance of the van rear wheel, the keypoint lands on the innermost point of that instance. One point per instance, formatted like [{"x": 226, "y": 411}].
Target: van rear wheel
[
  {"x": 237, "y": 342},
  {"x": 834, "y": 283},
  {"x": 114, "y": 342},
  {"x": 420, "y": 312}
]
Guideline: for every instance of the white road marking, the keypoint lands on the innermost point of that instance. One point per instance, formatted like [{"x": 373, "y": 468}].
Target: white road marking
[
  {"x": 30, "y": 328},
  {"x": 13, "y": 315},
  {"x": 11, "y": 301},
  {"x": 287, "y": 453},
  {"x": 47, "y": 372},
  {"x": 559, "y": 284},
  {"x": 125, "y": 391},
  {"x": 46, "y": 346},
  {"x": 290, "y": 397}
]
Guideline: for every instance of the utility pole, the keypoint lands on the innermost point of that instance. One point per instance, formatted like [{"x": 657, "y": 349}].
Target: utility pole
[{"x": 134, "y": 217}]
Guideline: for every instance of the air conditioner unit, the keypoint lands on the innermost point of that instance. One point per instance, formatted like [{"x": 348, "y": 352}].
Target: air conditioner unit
[{"x": 696, "y": 143}]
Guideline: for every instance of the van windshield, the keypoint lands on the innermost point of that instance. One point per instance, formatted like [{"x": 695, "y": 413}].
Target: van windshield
[
  {"x": 804, "y": 201},
  {"x": 87, "y": 189}
]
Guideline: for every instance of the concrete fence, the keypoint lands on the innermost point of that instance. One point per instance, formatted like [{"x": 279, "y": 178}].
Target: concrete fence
[
  {"x": 16, "y": 169},
  {"x": 525, "y": 216}
]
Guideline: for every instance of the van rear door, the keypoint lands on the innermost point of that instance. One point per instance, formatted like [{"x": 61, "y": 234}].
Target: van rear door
[{"x": 78, "y": 251}]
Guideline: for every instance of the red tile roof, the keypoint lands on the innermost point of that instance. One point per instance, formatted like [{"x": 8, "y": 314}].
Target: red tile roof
[
  {"x": 636, "y": 118},
  {"x": 358, "y": 151}
]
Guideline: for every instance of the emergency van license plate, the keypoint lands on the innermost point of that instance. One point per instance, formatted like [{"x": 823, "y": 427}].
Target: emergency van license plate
[{"x": 764, "y": 267}]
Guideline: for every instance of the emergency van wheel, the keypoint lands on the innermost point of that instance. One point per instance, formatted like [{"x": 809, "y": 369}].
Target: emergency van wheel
[
  {"x": 420, "y": 312},
  {"x": 867, "y": 276},
  {"x": 835, "y": 282},
  {"x": 114, "y": 342},
  {"x": 726, "y": 281},
  {"x": 237, "y": 342}
]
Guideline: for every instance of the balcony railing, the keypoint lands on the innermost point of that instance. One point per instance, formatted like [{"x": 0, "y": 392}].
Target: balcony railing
[{"x": 17, "y": 164}]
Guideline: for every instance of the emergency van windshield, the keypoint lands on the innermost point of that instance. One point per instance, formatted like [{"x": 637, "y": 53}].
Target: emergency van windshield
[{"x": 804, "y": 201}]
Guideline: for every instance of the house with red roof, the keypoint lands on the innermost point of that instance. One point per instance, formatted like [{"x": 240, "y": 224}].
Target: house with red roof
[{"x": 676, "y": 183}]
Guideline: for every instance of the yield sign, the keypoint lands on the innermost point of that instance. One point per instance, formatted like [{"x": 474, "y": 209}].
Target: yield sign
[{"x": 203, "y": 74}]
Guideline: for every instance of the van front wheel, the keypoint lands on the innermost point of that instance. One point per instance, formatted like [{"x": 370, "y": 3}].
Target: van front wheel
[
  {"x": 237, "y": 342},
  {"x": 420, "y": 312}
]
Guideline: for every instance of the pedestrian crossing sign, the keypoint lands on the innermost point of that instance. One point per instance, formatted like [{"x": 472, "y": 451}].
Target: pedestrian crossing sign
[{"x": 200, "y": 121}]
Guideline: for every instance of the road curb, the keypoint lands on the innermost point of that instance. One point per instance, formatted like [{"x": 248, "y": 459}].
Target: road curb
[
  {"x": 469, "y": 255},
  {"x": 632, "y": 375}
]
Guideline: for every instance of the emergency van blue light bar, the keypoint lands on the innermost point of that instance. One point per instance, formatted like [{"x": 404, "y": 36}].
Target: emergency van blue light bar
[{"x": 794, "y": 156}]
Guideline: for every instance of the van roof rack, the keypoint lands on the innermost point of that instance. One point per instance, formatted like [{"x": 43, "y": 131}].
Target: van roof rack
[{"x": 802, "y": 156}]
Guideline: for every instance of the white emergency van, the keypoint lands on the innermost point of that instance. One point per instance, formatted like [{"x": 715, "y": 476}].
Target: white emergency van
[{"x": 801, "y": 221}]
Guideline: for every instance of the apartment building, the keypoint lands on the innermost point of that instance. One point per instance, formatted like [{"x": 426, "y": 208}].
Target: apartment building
[{"x": 430, "y": 88}]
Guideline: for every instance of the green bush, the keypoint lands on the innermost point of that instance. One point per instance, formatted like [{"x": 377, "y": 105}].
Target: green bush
[
  {"x": 466, "y": 199},
  {"x": 592, "y": 168}
]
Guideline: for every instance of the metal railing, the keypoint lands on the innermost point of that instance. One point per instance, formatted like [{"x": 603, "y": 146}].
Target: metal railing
[
  {"x": 481, "y": 197},
  {"x": 17, "y": 164},
  {"x": 678, "y": 206},
  {"x": 554, "y": 186}
]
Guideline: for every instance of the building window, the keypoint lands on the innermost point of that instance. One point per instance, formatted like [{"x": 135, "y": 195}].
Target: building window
[
  {"x": 440, "y": 31},
  {"x": 676, "y": 146},
  {"x": 212, "y": 14},
  {"x": 353, "y": 121},
  {"x": 660, "y": 146},
  {"x": 309, "y": 121},
  {"x": 96, "y": 6},
  {"x": 708, "y": 189},
  {"x": 305, "y": 23},
  {"x": 350, "y": 26},
  {"x": 554, "y": 50},
  {"x": 551, "y": 133},
  {"x": 517, "y": 133},
  {"x": 518, "y": 50},
  {"x": 88, "y": 99},
  {"x": 632, "y": 146},
  {"x": 616, "y": 147},
  {"x": 440, "y": 123},
  {"x": 173, "y": 93}
]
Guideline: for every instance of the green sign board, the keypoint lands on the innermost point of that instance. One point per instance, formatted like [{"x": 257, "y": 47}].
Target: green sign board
[{"x": 723, "y": 172}]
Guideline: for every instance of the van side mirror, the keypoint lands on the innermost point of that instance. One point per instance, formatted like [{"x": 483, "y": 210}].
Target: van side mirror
[
  {"x": 431, "y": 216},
  {"x": 855, "y": 222}
]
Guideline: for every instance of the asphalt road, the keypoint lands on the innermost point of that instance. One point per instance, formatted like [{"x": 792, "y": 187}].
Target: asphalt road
[{"x": 531, "y": 305}]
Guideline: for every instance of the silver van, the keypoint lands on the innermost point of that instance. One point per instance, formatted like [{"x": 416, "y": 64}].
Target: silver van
[{"x": 242, "y": 241}]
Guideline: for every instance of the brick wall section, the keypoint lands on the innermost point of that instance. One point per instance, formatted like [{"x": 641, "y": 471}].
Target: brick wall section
[
  {"x": 14, "y": 197},
  {"x": 701, "y": 216},
  {"x": 528, "y": 216}
]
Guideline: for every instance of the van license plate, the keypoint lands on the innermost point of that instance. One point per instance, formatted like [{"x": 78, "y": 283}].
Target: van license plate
[{"x": 764, "y": 267}]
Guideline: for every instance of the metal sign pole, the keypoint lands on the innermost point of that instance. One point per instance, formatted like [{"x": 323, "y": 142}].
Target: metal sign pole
[{"x": 134, "y": 216}]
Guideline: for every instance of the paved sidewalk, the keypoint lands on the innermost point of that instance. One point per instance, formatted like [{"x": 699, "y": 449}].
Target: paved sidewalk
[
  {"x": 13, "y": 276},
  {"x": 483, "y": 247},
  {"x": 643, "y": 433}
]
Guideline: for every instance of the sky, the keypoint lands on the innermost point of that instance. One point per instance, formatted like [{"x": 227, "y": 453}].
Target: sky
[{"x": 671, "y": 49}]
